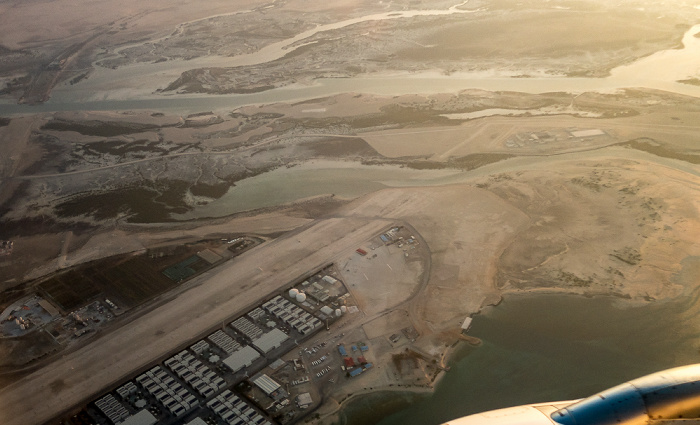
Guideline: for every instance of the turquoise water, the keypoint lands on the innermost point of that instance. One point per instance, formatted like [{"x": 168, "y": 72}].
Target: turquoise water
[{"x": 550, "y": 348}]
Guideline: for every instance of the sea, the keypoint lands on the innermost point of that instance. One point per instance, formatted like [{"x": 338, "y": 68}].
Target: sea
[{"x": 540, "y": 348}]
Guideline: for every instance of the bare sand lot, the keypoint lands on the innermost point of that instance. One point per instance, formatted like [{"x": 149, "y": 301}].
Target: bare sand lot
[
  {"x": 382, "y": 282},
  {"x": 391, "y": 323}
]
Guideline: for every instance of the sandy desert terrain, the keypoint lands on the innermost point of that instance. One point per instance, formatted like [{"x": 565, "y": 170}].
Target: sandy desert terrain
[{"x": 585, "y": 193}]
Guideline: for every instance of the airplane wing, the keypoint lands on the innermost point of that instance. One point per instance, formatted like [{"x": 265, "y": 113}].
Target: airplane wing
[
  {"x": 668, "y": 397},
  {"x": 533, "y": 414}
]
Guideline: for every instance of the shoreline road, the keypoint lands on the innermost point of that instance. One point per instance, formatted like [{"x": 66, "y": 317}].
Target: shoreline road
[{"x": 218, "y": 295}]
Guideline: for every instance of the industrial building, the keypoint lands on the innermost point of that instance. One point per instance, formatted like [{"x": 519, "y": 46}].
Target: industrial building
[
  {"x": 222, "y": 340},
  {"x": 241, "y": 358},
  {"x": 53, "y": 311},
  {"x": 256, "y": 314},
  {"x": 209, "y": 256},
  {"x": 291, "y": 314},
  {"x": 113, "y": 409},
  {"x": 587, "y": 133},
  {"x": 126, "y": 390},
  {"x": 230, "y": 408},
  {"x": 200, "y": 347},
  {"x": 196, "y": 421},
  {"x": 117, "y": 413},
  {"x": 247, "y": 328},
  {"x": 268, "y": 385},
  {"x": 355, "y": 372},
  {"x": 270, "y": 340},
  {"x": 304, "y": 400},
  {"x": 143, "y": 417},
  {"x": 170, "y": 393},
  {"x": 330, "y": 280},
  {"x": 277, "y": 364},
  {"x": 466, "y": 324},
  {"x": 205, "y": 381}
]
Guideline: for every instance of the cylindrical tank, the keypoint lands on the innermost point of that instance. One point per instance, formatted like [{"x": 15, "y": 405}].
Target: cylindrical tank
[
  {"x": 293, "y": 292},
  {"x": 343, "y": 309},
  {"x": 301, "y": 297},
  {"x": 338, "y": 313}
]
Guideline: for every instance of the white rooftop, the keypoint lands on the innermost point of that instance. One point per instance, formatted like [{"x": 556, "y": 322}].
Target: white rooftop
[
  {"x": 241, "y": 358},
  {"x": 267, "y": 384},
  {"x": 467, "y": 323},
  {"x": 143, "y": 417},
  {"x": 304, "y": 399},
  {"x": 588, "y": 133},
  {"x": 270, "y": 340}
]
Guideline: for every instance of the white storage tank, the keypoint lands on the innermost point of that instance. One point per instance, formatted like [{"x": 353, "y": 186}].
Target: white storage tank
[
  {"x": 343, "y": 309},
  {"x": 338, "y": 313},
  {"x": 301, "y": 297},
  {"x": 293, "y": 292}
]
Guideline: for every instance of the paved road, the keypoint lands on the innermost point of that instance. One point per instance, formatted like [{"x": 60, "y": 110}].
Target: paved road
[{"x": 223, "y": 292}]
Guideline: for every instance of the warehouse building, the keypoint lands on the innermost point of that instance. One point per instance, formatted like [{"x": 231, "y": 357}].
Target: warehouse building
[
  {"x": 230, "y": 408},
  {"x": 222, "y": 340},
  {"x": 241, "y": 358},
  {"x": 293, "y": 315},
  {"x": 199, "y": 376},
  {"x": 170, "y": 393},
  {"x": 200, "y": 347},
  {"x": 143, "y": 417},
  {"x": 270, "y": 340},
  {"x": 209, "y": 256},
  {"x": 197, "y": 421},
  {"x": 114, "y": 410},
  {"x": 304, "y": 400},
  {"x": 247, "y": 328},
  {"x": 330, "y": 280},
  {"x": 268, "y": 385}
]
